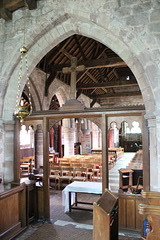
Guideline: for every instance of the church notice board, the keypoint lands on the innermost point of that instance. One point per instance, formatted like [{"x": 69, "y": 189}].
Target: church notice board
[
  {"x": 105, "y": 217},
  {"x": 86, "y": 143}
]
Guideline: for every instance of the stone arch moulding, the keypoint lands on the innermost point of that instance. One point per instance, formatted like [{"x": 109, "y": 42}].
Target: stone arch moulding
[
  {"x": 61, "y": 94},
  {"x": 53, "y": 121},
  {"x": 69, "y": 27}
]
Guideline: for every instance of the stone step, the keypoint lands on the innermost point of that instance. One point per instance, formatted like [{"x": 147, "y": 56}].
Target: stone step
[
  {"x": 114, "y": 180},
  {"x": 114, "y": 175}
]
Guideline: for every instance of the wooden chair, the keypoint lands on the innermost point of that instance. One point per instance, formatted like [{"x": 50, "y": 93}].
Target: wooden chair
[
  {"x": 80, "y": 174},
  {"x": 97, "y": 173},
  {"x": 55, "y": 169},
  {"x": 62, "y": 164},
  {"x": 76, "y": 165},
  {"x": 89, "y": 173},
  {"x": 39, "y": 176},
  {"x": 66, "y": 177},
  {"x": 24, "y": 169},
  {"x": 55, "y": 177},
  {"x": 136, "y": 189}
]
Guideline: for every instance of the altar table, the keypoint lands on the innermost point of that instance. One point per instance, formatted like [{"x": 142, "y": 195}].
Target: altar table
[{"x": 70, "y": 191}]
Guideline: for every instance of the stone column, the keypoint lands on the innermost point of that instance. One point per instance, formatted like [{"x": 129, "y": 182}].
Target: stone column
[
  {"x": 79, "y": 131},
  {"x": 69, "y": 134},
  {"x": 51, "y": 133},
  {"x": 95, "y": 132},
  {"x": 158, "y": 150},
  {"x": 154, "y": 186},
  {"x": 39, "y": 146},
  {"x": 99, "y": 138},
  {"x": 1, "y": 149},
  {"x": 8, "y": 172},
  {"x": 105, "y": 173}
]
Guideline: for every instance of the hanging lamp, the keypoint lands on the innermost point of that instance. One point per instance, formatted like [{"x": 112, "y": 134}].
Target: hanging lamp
[{"x": 22, "y": 111}]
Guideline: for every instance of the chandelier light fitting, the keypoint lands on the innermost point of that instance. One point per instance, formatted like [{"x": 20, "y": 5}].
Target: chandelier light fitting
[{"x": 22, "y": 111}]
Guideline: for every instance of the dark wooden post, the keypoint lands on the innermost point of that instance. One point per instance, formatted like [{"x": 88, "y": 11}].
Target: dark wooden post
[
  {"x": 146, "y": 155},
  {"x": 105, "y": 180},
  {"x": 46, "y": 198},
  {"x": 17, "y": 151}
]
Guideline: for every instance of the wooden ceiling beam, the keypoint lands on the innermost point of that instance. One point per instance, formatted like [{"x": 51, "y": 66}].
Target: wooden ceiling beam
[
  {"x": 115, "y": 95},
  {"x": 95, "y": 80},
  {"x": 67, "y": 54},
  {"x": 12, "y": 3},
  {"x": 32, "y": 4},
  {"x": 58, "y": 68},
  {"x": 108, "y": 85},
  {"x": 15, "y": 4},
  {"x": 58, "y": 50},
  {"x": 104, "y": 62},
  {"x": 8, "y": 6},
  {"x": 5, "y": 14},
  {"x": 80, "y": 48},
  {"x": 96, "y": 50},
  {"x": 91, "y": 64},
  {"x": 92, "y": 103},
  {"x": 82, "y": 74}
]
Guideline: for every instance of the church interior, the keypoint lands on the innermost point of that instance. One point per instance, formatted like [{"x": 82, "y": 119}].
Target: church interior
[{"x": 79, "y": 127}]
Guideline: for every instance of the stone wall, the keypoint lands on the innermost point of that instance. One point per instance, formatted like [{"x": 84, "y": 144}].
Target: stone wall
[
  {"x": 1, "y": 150},
  {"x": 130, "y": 28}
]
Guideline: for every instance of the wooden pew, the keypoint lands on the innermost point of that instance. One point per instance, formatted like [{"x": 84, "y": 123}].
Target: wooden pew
[
  {"x": 13, "y": 212},
  {"x": 151, "y": 209}
]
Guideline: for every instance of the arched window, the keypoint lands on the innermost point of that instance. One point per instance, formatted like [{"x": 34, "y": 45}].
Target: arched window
[
  {"x": 135, "y": 127},
  {"x": 24, "y": 136},
  {"x": 54, "y": 105}
]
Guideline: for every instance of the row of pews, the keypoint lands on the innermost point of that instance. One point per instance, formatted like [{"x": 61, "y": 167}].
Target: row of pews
[{"x": 26, "y": 166}]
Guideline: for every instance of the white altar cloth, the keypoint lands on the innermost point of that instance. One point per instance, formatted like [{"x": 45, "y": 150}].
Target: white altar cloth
[{"x": 76, "y": 187}]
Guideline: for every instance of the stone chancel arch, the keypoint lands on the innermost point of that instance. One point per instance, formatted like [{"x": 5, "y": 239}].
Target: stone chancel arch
[
  {"x": 116, "y": 34},
  {"x": 119, "y": 26}
]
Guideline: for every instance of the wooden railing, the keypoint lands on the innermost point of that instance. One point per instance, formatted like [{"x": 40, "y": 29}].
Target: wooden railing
[{"x": 13, "y": 211}]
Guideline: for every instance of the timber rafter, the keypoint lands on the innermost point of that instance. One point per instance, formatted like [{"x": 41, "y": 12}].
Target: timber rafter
[
  {"x": 115, "y": 95},
  {"x": 9, "y": 6},
  {"x": 107, "y": 85},
  {"x": 104, "y": 70}
]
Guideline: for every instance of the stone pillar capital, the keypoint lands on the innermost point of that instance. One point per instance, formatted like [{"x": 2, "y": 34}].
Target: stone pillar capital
[
  {"x": 9, "y": 126},
  {"x": 151, "y": 119},
  {"x": 39, "y": 127}
]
